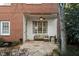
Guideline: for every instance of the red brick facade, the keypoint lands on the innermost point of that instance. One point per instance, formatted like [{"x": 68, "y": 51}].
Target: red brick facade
[{"x": 14, "y": 13}]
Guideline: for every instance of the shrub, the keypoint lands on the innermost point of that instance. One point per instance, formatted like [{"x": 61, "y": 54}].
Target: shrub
[
  {"x": 72, "y": 23},
  {"x": 14, "y": 43},
  {"x": 56, "y": 52},
  {"x": 1, "y": 41}
]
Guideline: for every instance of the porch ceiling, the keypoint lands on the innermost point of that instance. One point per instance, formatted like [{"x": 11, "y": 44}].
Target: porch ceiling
[{"x": 47, "y": 16}]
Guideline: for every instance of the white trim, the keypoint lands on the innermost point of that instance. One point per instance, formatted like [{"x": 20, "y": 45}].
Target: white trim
[
  {"x": 2, "y": 27},
  {"x": 5, "y": 4},
  {"x": 24, "y": 29}
]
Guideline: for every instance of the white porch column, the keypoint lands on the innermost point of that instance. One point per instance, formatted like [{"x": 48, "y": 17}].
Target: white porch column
[{"x": 24, "y": 29}]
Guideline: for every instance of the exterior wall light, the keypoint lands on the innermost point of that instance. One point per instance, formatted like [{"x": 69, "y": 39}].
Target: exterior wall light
[{"x": 41, "y": 18}]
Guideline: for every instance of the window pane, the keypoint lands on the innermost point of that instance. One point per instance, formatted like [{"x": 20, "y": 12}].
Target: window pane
[
  {"x": 35, "y": 27},
  {"x": 5, "y": 27},
  {"x": 45, "y": 27},
  {"x": 39, "y": 27}
]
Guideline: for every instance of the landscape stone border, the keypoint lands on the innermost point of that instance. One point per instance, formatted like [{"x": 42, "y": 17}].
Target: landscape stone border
[{"x": 14, "y": 52}]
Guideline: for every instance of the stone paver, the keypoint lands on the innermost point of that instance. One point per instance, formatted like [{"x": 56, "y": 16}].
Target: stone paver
[{"x": 39, "y": 48}]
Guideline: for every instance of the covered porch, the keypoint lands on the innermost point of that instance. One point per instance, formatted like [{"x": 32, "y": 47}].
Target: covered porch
[{"x": 37, "y": 26}]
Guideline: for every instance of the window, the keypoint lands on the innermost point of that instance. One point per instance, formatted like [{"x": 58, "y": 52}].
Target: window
[
  {"x": 40, "y": 27},
  {"x": 4, "y": 28},
  {"x": 6, "y": 4}
]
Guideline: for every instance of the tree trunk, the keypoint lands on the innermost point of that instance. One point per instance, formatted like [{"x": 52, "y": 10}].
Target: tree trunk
[{"x": 62, "y": 28}]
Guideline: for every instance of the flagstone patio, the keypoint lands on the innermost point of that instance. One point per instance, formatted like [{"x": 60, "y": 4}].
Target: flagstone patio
[{"x": 39, "y": 48}]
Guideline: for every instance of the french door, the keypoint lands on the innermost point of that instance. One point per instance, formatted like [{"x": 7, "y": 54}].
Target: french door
[{"x": 40, "y": 27}]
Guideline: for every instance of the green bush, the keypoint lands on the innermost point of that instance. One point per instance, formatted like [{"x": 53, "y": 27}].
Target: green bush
[
  {"x": 72, "y": 23},
  {"x": 14, "y": 43},
  {"x": 56, "y": 52},
  {"x": 1, "y": 41}
]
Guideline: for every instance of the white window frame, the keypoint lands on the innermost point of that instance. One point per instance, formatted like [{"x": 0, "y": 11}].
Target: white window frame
[
  {"x": 5, "y": 4},
  {"x": 2, "y": 27}
]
